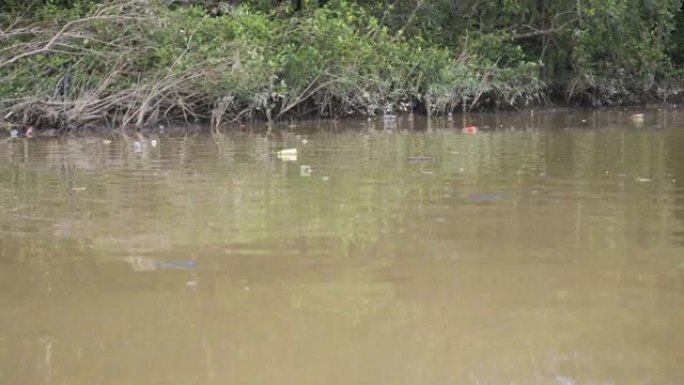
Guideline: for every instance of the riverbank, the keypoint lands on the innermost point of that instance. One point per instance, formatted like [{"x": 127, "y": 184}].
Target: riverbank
[{"x": 133, "y": 64}]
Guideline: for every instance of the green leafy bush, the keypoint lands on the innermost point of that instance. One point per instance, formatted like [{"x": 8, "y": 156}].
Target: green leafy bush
[{"x": 136, "y": 62}]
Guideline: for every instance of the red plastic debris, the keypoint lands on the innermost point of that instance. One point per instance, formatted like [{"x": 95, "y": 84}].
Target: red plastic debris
[{"x": 470, "y": 130}]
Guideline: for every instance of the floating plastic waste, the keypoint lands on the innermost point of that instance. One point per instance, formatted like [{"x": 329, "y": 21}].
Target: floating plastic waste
[
  {"x": 484, "y": 197},
  {"x": 420, "y": 158},
  {"x": 141, "y": 263},
  {"x": 470, "y": 130},
  {"x": 637, "y": 119},
  {"x": 149, "y": 264},
  {"x": 176, "y": 264},
  {"x": 287, "y": 155},
  {"x": 565, "y": 380},
  {"x": 305, "y": 170},
  {"x": 28, "y": 133}
]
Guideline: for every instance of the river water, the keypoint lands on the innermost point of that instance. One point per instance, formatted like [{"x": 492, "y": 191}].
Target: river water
[{"x": 546, "y": 248}]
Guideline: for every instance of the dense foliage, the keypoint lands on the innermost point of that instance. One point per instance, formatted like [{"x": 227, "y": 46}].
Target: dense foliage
[{"x": 74, "y": 62}]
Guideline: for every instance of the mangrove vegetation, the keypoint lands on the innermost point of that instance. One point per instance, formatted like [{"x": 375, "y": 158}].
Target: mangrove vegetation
[{"x": 66, "y": 64}]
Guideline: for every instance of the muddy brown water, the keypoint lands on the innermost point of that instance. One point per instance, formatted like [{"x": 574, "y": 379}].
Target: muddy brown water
[{"x": 547, "y": 248}]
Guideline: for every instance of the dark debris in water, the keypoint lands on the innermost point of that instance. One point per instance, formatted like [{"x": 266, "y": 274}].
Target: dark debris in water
[
  {"x": 485, "y": 197},
  {"x": 420, "y": 158},
  {"x": 176, "y": 264}
]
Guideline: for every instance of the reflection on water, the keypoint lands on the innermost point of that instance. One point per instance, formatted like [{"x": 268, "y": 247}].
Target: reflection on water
[{"x": 546, "y": 248}]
